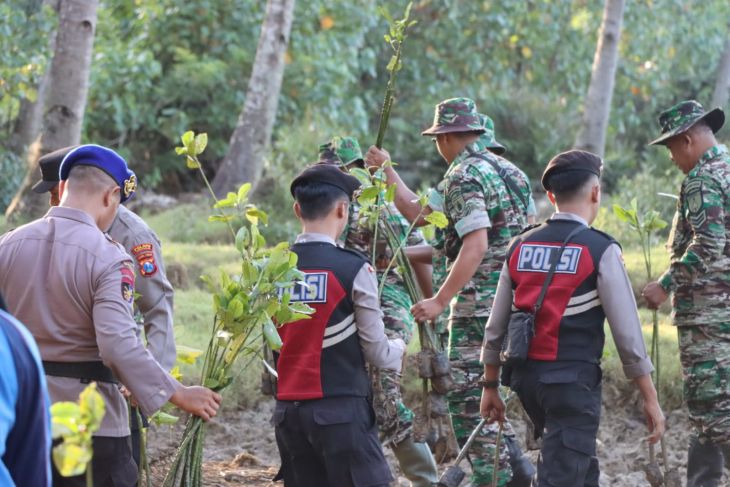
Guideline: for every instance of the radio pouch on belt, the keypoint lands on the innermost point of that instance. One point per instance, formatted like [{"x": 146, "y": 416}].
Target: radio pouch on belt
[{"x": 521, "y": 325}]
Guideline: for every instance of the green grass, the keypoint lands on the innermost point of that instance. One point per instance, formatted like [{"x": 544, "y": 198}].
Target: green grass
[{"x": 188, "y": 223}]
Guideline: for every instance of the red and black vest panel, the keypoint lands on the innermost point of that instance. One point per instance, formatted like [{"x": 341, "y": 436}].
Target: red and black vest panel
[
  {"x": 569, "y": 326},
  {"x": 321, "y": 356}
]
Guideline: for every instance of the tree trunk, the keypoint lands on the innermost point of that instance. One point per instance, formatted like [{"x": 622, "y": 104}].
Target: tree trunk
[
  {"x": 65, "y": 95},
  {"x": 597, "y": 105},
  {"x": 722, "y": 83},
  {"x": 252, "y": 135},
  {"x": 30, "y": 115},
  {"x": 30, "y": 118}
]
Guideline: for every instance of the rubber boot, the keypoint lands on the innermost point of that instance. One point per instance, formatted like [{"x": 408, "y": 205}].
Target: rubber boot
[
  {"x": 523, "y": 471},
  {"x": 416, "y": 462},
  {"x": 704, "y": 463}
]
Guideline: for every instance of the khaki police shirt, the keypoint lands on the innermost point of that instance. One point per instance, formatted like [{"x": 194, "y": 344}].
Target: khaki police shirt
[
  {"x": 155, "y": 293},
  {"x": 69, "y": 284},
  {"x": 377, "y": 349},
  {"x": 616, "y": 297}
]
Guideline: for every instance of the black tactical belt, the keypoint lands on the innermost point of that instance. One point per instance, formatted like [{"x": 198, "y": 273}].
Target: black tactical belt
[{"x": 85, "y": 371}]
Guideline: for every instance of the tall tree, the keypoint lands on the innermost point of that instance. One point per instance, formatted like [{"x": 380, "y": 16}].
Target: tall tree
[
  {"x": 30, "y": 113},
  {"x": 597, "y": 104},
  {"x": 244, "y": 160},
  {"x": 66, "y": 93},
  {"x": 722, "y": 83}
]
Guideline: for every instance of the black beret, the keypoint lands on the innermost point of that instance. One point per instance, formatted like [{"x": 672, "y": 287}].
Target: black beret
[
  {"x": 570, "y": 161},
  {"x": 49, "y": 165},
  {"x": 326, "y": 174}
]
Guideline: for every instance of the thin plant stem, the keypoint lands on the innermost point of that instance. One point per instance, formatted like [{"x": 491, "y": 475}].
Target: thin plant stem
[{"x": 212, "y": 193}]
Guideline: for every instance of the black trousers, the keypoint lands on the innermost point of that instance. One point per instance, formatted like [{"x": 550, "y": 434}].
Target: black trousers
[
  {"x": 705, "y": 461},
  {"x": 563, "y": 400},
  {"x": 112, "y": 465},
  {"x": 330, "y": 442}
]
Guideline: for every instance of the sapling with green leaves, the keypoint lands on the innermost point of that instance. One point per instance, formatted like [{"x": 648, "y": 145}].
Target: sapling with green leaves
[
  {"x": 646, "y": 225},
  {"x": 396, "y": 36},
  {"x": 247, "y": 306},
  {"x": 75, "y": 423}
]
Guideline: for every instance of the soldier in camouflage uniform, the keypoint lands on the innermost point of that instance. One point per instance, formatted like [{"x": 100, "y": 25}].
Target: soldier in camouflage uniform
[
  {"x": 699, "y": 278},
  {"x": 395, "y": 419},
  {"x": 491, "y": 148},
  {"x": 482, "y": 219}
]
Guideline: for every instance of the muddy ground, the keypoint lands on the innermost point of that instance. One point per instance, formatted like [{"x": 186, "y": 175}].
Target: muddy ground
[{"x": 240, "y": 448}]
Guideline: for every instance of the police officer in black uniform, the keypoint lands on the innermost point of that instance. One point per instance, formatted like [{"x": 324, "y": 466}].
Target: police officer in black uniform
[
  {"x": 325, "y": 425},
  {"x": 560, "y": 383}
]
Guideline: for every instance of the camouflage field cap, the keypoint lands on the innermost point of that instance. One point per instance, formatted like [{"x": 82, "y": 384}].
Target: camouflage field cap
[
  {"x": 683, "y": 116},
  {"x": 341, "y": 151},
  {"x": 455, "y": 115},
  {"x": 488, "y": 141}
]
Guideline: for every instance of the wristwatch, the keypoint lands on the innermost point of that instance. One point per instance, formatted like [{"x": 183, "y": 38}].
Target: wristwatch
[{"x": 488, "y": 384}]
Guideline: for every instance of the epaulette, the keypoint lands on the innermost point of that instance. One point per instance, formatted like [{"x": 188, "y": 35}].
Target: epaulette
[
  {"x": 517, "y": 239},
  {"x": 357, "y": 253},
  {"x": 608, "y": 237},
  {"x": 530, "y": 227}
]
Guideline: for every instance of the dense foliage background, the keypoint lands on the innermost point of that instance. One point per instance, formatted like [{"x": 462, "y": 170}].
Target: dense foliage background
[{"x": 162, "y": 67}]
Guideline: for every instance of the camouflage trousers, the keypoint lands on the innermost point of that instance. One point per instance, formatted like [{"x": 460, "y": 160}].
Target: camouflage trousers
[
  {"x": 705, "y": 357},
  {"x": 395, "y": 420},
  {"x": 465, "y": 344}
]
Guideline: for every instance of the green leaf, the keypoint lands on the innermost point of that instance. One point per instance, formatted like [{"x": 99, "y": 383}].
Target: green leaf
[
  {"x": 407, "y": 13},
  {"x": 272, "y": 335},
  {"x": 92, "y": 408},
  {"x": 191, "y": 163},
  {"x": 243, "y": 193},
  {"x": 390, "y": 193},
  {"x": 227, "y": 202},
  {"x": 242, "y": 238},
  {"x": 368, "y": 195},
  {"x": 362, "y": 175},
  {"x": 188, "y": 138},
  {"x": 627, "y": 216},
  {"x": 392, "y": 64},
  {"x": 71, "y": 459},
  {"x": 160, "y": 418},
  {"x": 181, "y": 150},
  {"x": 201, "y": 142},
  {"x": 65, "y": 419},
  {"x": 235, "y": 308},
  {"x": 220, "y": 218},
  {"x": 187, "y": 355},
  {"x": 253, "y": 215},
  {"x": 437, "y": 219}
]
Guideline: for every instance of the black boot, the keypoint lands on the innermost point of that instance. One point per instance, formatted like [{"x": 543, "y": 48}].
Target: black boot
[
  {"x": 523, "y": 470},
  {"x": 704, "y": 463}
]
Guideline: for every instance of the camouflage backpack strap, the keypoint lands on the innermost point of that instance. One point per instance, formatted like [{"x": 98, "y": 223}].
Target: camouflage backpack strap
[{"x": 514, "y": 189}]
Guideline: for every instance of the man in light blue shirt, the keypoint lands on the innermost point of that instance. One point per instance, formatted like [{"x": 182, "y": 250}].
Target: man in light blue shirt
[{"x": 25, "y": 422}]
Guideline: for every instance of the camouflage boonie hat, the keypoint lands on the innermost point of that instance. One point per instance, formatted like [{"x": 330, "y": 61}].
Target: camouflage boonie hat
[
  {"x": 683, "y": 116},
  {"x": 487, "y": 139},
  {"x": 455, "y": 115},
  {"x": 341, "y": 151}
]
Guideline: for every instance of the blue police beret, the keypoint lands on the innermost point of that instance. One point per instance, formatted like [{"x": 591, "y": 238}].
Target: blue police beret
[{"x": 105, "y": 159}]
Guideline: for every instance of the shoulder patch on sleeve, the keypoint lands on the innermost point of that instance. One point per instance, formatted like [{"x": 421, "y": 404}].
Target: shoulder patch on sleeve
[
  {"x": 127, "y": 271},
  {"x": 695, "y": 203},
  {"x": 145, "y": 256}
]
